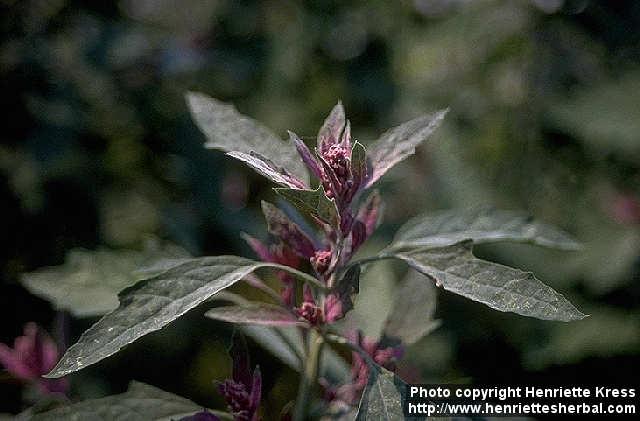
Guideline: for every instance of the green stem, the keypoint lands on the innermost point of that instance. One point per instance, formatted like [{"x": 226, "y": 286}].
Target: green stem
[{"x": 309, "y": 376}]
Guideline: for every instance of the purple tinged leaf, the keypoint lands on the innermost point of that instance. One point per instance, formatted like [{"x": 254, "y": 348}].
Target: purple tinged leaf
[
  {"x": 261, "y": 249},
  {"x": 400, "y": 142},
  {"x": 256, "y": 392},
  {"x": 346, "y": 136},
  {"x": 339, "y": 301},
  {"x": 268, "y": 169},
  {"x": 370, "y": 213},
  {"x": 255, "y": 314},
  {"x": 331, "y": 131},
  {"x": 283, "y": 228},
  {"x": 307, "y": 157},
  {"x": 332, "y": 184},
  {"x": 358, "y": 235}
]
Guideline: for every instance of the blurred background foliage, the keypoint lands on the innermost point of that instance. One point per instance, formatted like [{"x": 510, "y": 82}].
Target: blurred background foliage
[{"x": 99, "y": 156}]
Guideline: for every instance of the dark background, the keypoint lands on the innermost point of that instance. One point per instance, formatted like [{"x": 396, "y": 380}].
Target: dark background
[{"x": 98, "y": 150}]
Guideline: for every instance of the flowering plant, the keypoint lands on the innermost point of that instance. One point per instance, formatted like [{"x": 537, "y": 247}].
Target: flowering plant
[{"x": 317, "y": 271}]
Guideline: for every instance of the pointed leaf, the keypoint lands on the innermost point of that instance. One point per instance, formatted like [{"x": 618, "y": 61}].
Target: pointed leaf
[
  {"x": 331, "y": 131},
  {"x": 89, "y": 281},
  {"x": 268, "y": 169},
  {"x": 413, "y": 309},
  {"x": 383, "y": 397},
  {"x": 358, "y": 163},
  {"x": 255, "y": 314},
  {"x": 153, "y": 303},
  {"x": 312, "y": 202},
  {"x": 284, "y": 229},
  {"x": 307, "y": 157},
  {"x": 400, "y": 142},
  {"x": 139, "y": 399},
  {"x": 228, "y": 130},
  {"x": 500, "y": 287},
  {"x": 481, "y": 225}
]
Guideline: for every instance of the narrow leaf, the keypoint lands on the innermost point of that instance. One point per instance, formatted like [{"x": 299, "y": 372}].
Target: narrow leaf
[
  {"x": 228, "y": 130},
  {"x": 382, "y": 398},
  {"x": 400, "y": 142},
  {"x": 481, "y": 225},
  {"x": 139, "y": 399},
  {"x": 500, "y": 287},
  {"x": 153, "y": 303},
  {"x": 256, "y": 314},
  {"x": 331, "y": 130},
  {"x": 312, "y": 202},
  {"x": 413, "y": 309},
  {"x": 268, "y": 169}
]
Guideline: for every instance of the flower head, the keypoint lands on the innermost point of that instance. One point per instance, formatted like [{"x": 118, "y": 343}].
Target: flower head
[{"x": 33, "y": 355}]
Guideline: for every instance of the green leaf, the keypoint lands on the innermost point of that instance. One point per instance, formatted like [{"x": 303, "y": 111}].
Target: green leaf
[
  {"x": 414, "y": 306},
  {"x": 139, "y": 399},
  {"x": 500, "y": 287},
  {"x": 482, "y": 225},
  {"x": 255, "y": 314},
  {"x": 312, "y": 202},
  {"x": 153, "y": 303},
  {"x": 89, "y": 281},
  {"x": 400, "y": 142},
  {"x": 228, "y": 130},
  {"x": 382, "y": 398}
]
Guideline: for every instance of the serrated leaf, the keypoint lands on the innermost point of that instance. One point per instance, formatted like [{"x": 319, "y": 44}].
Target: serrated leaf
[
  {"x": 89, "y": 281},
  {"x": 255, "y": 314},
  {"x": 482, "y": 225},
  {"x": 228, "y": 130},
  {"x": 500, "y": 287},
  {"x": 267, "y": 169},
  {"x": 413, "y": 309},
  {"x": 139, "y": 399},
  {"x": 382, "y": 398},
  {"x": 400, "y": 142},
  {"x": 153, "y": 303},
  {"x": 312, "y": 202}
]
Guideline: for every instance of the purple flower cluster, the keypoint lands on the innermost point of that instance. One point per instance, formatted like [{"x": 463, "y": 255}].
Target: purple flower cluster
[
  {"x": 33, "y": 355},
  {"x": 341, "y": 168}
]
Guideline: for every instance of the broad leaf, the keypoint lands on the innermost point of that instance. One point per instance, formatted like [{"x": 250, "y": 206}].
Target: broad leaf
[
  {"x": 383, "y": 397},
  {"x": 140, "y": 400},
  {"x": 400, "y": 142},
  {"x": 500, "y": 287},
  {"x": 268, "y": 169},
  {"x": 153, "y": 303},
  {"x": 89, "y": 281},
  {"x": 255, "y": 314},
  {"x": 228, "y": 130},
  {"x": 312, "y": 202},
  {"x": 413, "y": 309},
  {"x": 481, "y": 225}
]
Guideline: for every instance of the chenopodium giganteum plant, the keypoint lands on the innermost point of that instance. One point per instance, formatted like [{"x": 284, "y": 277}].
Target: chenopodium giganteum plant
[{"x": 318, "y": 274}]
